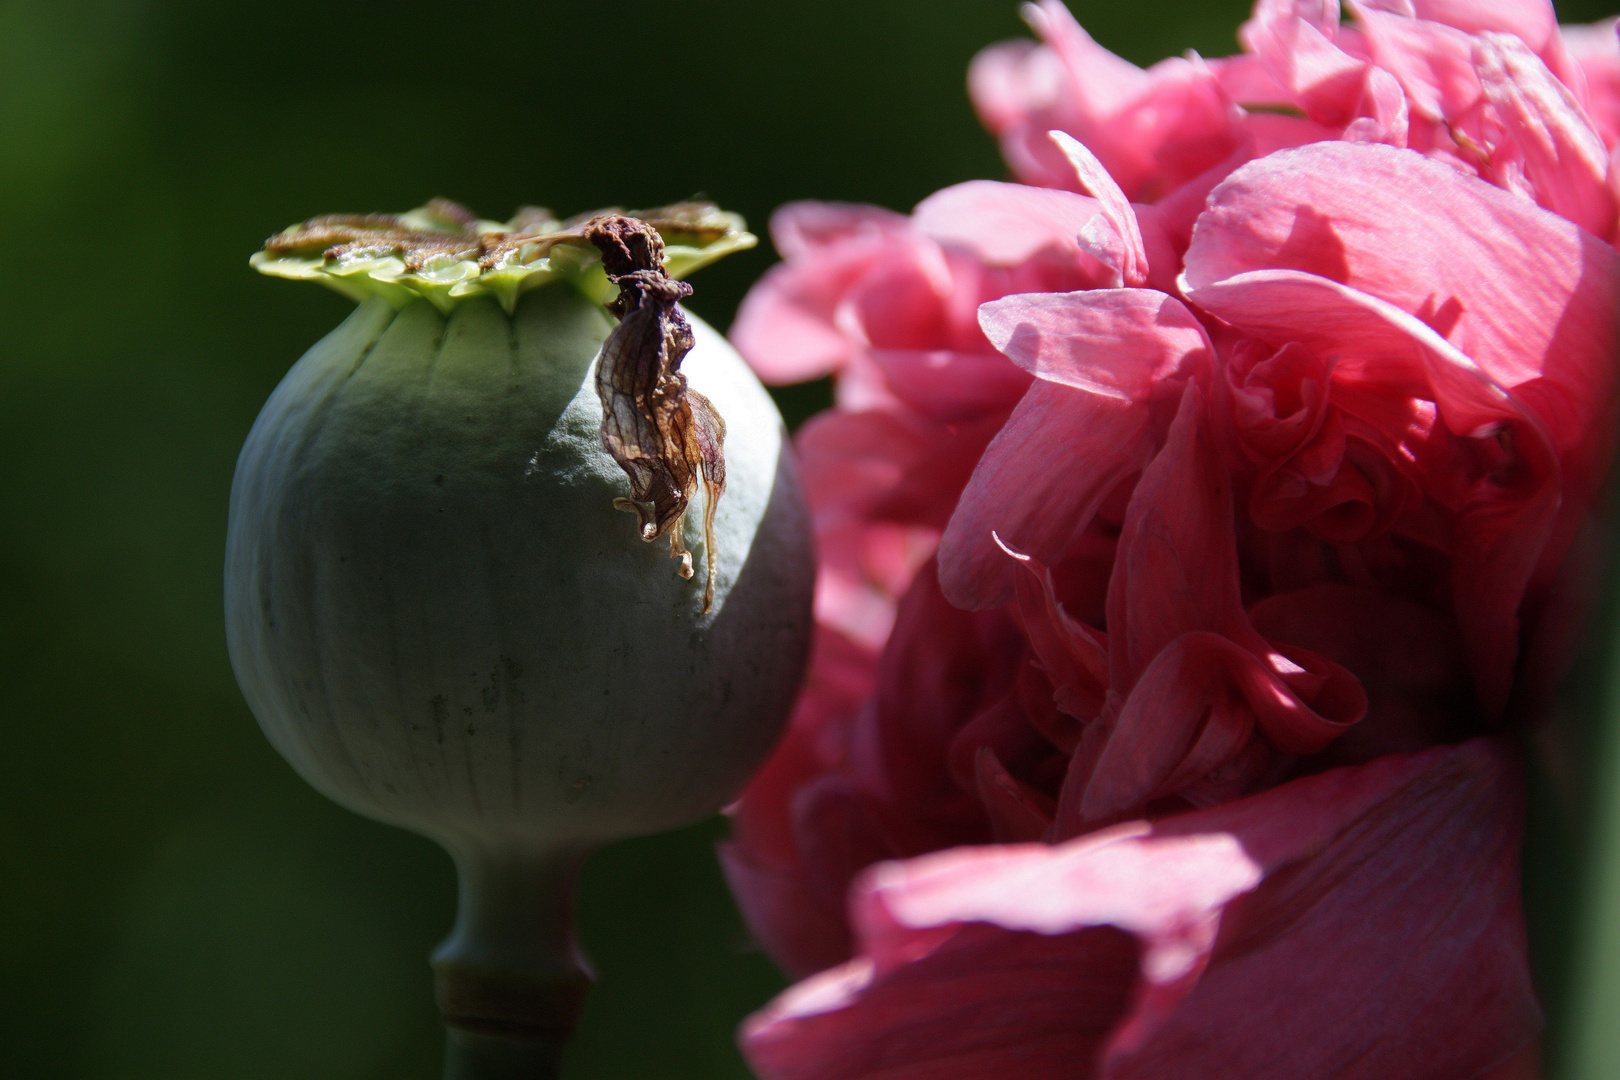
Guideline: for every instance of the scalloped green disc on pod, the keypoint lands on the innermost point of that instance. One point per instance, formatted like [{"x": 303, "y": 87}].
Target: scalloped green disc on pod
[{"x": 438, "y": 608}]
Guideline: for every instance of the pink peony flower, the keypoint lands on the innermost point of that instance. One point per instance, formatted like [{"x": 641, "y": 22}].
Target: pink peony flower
[{"x": 1245, "y": 525}]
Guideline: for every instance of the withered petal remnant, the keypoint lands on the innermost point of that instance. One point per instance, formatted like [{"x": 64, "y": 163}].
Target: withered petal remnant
[{"x": 664, "y": 435}]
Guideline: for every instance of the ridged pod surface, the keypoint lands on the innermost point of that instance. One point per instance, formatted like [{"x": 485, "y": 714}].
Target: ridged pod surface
[{"x": 442, "y": 622}]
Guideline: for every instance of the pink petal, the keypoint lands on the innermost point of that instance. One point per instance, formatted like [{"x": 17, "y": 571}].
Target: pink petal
[
  {"x": 1564, "y": 158},
  {"x": 1011, "y": 80},
  {"x": 1118, "y": 342},
  {"x": 1153, "y": 130},
  {"x": 1504, "y": 529},
  {"x": 1079, "y": 431},
  {"x": 1176, "y": 570},
  {"x": 1103, "y": 81},
  {"x": 1329, "y": 906},
  {"x": 784, "y": 327},
  {"x": 1531, "y": 21},
  {"x": 1595, "y": 50},
  {"x": 1432, "y": 61},
  {"x": 1131, "y": 254},
  {"x": 802, "y": 228},
  {"x": 1006, "y": 224},
  {"x": 952, "y": 387},
  {"x": 1298, "y": 52},
  {"x": 1523, "y": 292}
]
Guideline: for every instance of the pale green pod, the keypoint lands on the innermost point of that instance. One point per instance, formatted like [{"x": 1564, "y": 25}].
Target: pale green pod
[{"x": 442, "y": 622}]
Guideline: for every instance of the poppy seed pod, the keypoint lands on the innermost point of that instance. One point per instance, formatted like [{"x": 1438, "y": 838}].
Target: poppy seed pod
[{"x": 437, "y": 608}]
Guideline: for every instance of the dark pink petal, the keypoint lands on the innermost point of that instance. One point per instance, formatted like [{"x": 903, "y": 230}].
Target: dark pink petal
[
  {"x": 1329, "y": 906},
  {"x": 940, "y": 667},
  {"x": 1176, "y": 570},
  {"x": 1192, "y": 715},
  {"x": 1080, "y": 430},
  {"x": 1193, "y": 674},
  {"x": 798, "y": 922},
  {"x": 1409, "y": 657},
  {"x": 1073, "y": 655},
  {"x": 1563, "y": 157}
]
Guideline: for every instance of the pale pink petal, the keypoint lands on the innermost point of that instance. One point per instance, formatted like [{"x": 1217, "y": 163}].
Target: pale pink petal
[
  {"x": 1094, "y": 179},
  {"x": 1526, "y": 294},
  {"x": 1563, "y": 157},
  {"x": 1080, "y": 430},
  {"x": 1531, "y": 21},
  {"x": 1102, "y": 81},
  {"x": 1595, "y": 50},
  {"x": 1296, "y": 46},
  {"x": 1013, "y": 961},
  {"x": 1432, "y": 61},
  {"x": 1006, "y": 224},
  {"x": 784, "y": 327},
  {"x": 1117, "y": 342},
  {"x": 952, "y": 387},
  {"x": 1011, "y": 80},
  {"x": 803, "y": 228}
]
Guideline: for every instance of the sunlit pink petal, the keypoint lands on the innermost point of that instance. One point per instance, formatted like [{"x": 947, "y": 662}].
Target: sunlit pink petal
[
  {"x": 1563, "y": 157},
  {"x": 1011, "y": 960}
]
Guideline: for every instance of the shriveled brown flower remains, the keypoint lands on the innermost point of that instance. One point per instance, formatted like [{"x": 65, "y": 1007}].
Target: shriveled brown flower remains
[{"x": 664, "y": 435}]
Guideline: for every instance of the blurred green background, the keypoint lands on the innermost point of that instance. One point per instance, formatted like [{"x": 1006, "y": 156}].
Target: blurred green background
[{"x": 174, "y": 902}]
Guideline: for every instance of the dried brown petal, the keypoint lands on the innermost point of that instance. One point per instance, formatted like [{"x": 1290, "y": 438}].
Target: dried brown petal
[{"x": 664, "y": 436}]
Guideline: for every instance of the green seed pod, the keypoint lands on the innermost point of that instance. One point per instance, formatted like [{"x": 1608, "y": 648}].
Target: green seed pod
[{"x": 437, "y": 609}]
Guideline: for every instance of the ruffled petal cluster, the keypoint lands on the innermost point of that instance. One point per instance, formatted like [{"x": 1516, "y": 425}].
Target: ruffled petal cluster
[{"x": 1199, "y": 518}]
